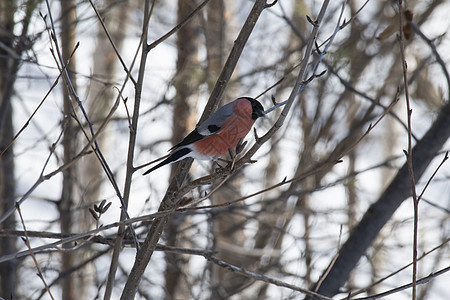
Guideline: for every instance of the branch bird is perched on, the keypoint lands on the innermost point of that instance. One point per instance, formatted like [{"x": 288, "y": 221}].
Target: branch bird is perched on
[{"x": 216, "y": 135}]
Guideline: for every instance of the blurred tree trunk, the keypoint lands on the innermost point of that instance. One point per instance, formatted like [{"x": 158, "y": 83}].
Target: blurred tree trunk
[
  {"x": 229, "y": 240},
  {"x": 228, "y": 233},
  {"x": 101, "y": 96},
  {"x": 115, "y": 15},
  {"x": 186, "y": 82},
  {"x": 215, "y": 30},
  {"x": 7, "y": 182},
  {"x": 70, "y": 287},
  {"x": 10, "y": 59},
  {"x": 7, "y": 198}
]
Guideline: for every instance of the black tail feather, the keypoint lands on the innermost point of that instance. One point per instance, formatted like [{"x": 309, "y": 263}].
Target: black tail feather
[{"x": 172, "y": 158}]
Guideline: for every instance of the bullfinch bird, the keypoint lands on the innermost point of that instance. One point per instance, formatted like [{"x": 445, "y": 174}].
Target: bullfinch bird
[{"x": 217, "y": 134}]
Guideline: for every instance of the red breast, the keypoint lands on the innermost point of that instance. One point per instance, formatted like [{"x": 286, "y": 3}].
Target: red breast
[{"x": 234, "y": 128}]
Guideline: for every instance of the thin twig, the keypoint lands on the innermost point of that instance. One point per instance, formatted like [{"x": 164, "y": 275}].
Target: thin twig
[
  {"x": 406, "y": 286},
  {"x": 177, "y": 27},
  {"x": 100, "y": 19},
  {"x": 373, "y": 284},
  {"x": 41, "y": 178},
  {"x": 260, "y": 277},
  {"x": 439, "y": 59},
  {"x": 327, "y": 271},
  {"x": 409, "y": 151},
  {"x": 432, "y": 176},
  {"x": 27, "y": 243},
  {"x": 39, "y": 105}
]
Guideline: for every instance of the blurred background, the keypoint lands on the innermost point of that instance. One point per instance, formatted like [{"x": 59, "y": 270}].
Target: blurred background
[{"x": 341, "y": 229}]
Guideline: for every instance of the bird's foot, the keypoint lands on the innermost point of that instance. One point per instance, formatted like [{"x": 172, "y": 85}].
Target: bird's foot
[{"x": 233, "y": 154}]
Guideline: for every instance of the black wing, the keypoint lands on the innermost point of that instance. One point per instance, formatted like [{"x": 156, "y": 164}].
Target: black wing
[{"x": 192, "y": 137}]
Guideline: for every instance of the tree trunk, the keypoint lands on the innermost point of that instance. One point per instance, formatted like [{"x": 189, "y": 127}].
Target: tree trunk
[
  {"x": 70, "y": 288},
  {"x": 186, "y": 82},
  {"x": 7, "y": 183},
  {"x": 7, "y": 197},
  {"x": 10, "y": 54}
]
